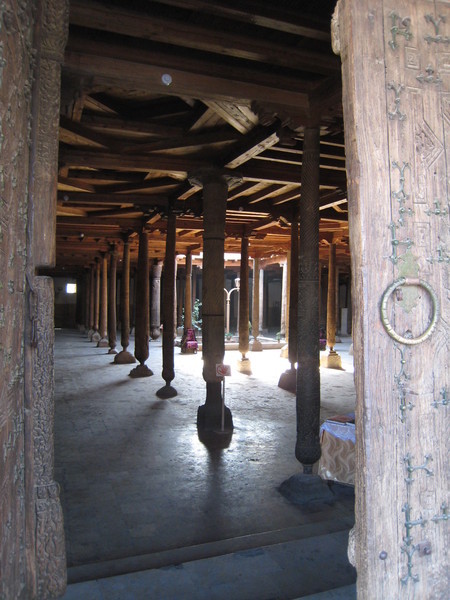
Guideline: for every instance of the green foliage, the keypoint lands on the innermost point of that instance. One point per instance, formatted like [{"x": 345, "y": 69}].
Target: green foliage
[{"x": 196, "y": 315}]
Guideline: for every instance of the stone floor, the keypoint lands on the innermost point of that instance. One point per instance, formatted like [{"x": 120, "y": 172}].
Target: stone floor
[{"x": 142, "y": 495}]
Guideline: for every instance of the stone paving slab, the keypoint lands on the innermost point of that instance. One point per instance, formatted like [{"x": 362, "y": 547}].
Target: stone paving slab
[
  {"x": 277, "y": 572},
  {"x": 135, "y": 478}
]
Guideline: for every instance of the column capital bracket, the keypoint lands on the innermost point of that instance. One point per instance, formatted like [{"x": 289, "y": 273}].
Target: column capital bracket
[{"x": 214, "y": 174}]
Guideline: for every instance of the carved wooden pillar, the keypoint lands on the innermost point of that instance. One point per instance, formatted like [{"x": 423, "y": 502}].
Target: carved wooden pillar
[
  {"x": 125, "y": 357},
  {"x": 32, "y": 549},
  {"x": 285, "y": 301},
  {"x": 141, "y": 336},
  {"x": 261, "y": 300},
  {"x": 256, "y": 345},
  {"x": 293, "y": 296},
  {"x": 244, "y": 365},
  {"x": 332, "y": 360},
  {"x": 194, "y": 284},
  {"x": 214, "y": 183},
  {"x": 112, "y": 318},
  {"x": 284, "y": 298},
  {"x": 307, "y": 448},
  {"x": 288, "y": 379},
  {"x": 91, "y": 301},
  {"x": 103, "y": 330},
  {"x": 87, "y": 296},
  {"x": 168, "y": 372},
  {"x": 96, "y": 335},
  {"x": 155, "y": 300},
  {"x": 188, "y": 293}
]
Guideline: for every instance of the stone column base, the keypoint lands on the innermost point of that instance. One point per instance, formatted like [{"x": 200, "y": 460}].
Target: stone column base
[
  {"x": 244, "y": 366},
  {"x": 124, "y": 358},
  {"x": 288, "y": 380},
  {"x": 140, "y": 371},
  {"x": 306, "y": 489},
  {"x": 209, "y": 419},
  {"x": 96, "y": 337},
  {"x": 256, "y": 346},
  {"x": 112, "y": 351},
  {"x": 167, "y": 391},
  {"x": 331, "y": 361},
  {"x": 103, "y": 343},
  {"x": 90, "y": 333}
]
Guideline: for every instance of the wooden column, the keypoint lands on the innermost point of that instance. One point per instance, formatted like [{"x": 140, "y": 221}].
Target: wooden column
[
  {"x": 188, "y": 293},
  {"x": 396, "y": 113},
  {"x": 141, "y": 336},
  {"x": 125, "y": 357},
  {"x": 288, "y": 379},
  {"x": 307, "y": 448},
  {"x": 214, "y": 183},
  {"x": 112, "y": 317},
  {"x": 95, "y": 337},
  {"x": 103, "y": 341},
  {"x": 155, "y": 300},
  {"x": 91, "y": 301},
  {"x": 293, "y": 296},
  {"x": 168, "y": 316},
  {"x": 261, "y": 300},
  {"x": 87, "y": 297},
  {"x": 244, "y": 365},
  {"x": 284, "y": 298},
  {"x": 332, "y": 360},
  {"x": 285, "y": 301},
  {"x": 256, "y": 345}
]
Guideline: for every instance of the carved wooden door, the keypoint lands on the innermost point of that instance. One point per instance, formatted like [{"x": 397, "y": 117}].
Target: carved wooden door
[{"x": 396, "y": 69}]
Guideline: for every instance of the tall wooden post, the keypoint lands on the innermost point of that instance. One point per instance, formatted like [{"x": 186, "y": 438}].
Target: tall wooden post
[
  {"x": 307, "y": 449},
  {"x": 256, "y": 345},
  {"x": 284, "y": 297},
  {"x": 103, "y": 330},
  {"x": 168, "y": 371},
  {"x": 396, "y": 113},
  {"x": 155, "y": 300},
  {"x": 288, "y": 379},
  {"x": 112, "y": 317},
  {"x": 87, "y": 279},
  {"x": 91, "y": 301},
  {"x": 332, "y": 360},
  {"x": 212, "y": 415},
  {"x": 141, "y": 336},
  {"x": 188, "y": 293},
  {"x": 244, "y": 365},
  {"x": 96, "y": 335},
  {"x": 285, "y": 302},
  {"x": 125, "y": 357},
  {"x": 261, "y": 300}
]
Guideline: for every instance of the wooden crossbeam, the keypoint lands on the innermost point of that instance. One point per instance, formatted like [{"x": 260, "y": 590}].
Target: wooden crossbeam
[{"x": 169, "y": 31}]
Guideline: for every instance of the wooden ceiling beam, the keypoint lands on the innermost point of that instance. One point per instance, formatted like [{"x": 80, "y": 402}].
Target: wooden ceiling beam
[
  {"x": 73, "y": 132},
  {"x": 239, "y": 116},
  {"x": 181, "y": 33},
  {"x": 120, "y": 125},
  {"x": 146, "y": 184},
  {"x": 113, "y": 199},
  {"x": 212, "y": 136},
  {"x": 255, "y": 143},
  {"x": 253, "y": 12},
  {"x": 119, "y": 67},
  {"x": 106, "y": 160}
]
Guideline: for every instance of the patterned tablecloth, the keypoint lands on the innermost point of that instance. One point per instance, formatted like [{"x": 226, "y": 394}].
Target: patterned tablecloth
[{"x": 337, "y": 438}]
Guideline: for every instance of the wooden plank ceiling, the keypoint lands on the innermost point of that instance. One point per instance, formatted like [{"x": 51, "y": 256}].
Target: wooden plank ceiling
[{"x": 153, "y": 91}]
